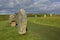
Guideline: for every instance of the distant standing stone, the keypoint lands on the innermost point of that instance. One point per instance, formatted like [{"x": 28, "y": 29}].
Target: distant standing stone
[
  {"x": 36, "y": 15},
  {"x": 50, "y": 14},
  {"x": 44, "y": 15},
  {"x": 22, "y": 21}
]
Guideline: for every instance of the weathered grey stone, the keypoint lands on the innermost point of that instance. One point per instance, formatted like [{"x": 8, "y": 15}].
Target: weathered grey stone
[
  {"x": 22, "y": 21},
  {"x": 12, "y": 20}
]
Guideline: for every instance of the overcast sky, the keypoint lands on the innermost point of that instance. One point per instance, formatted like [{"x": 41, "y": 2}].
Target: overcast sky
[{"x": 12, "y": 6}]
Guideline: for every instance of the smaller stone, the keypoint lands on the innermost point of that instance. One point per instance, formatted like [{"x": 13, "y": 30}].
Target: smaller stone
[
  {"x": 13, "y": 24},
  {"x": 12, "y": 20}
]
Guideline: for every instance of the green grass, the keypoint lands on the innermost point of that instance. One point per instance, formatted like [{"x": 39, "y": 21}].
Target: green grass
[
  {"x": 52, "y": 21},
  {"x": 38, "y": 29}
]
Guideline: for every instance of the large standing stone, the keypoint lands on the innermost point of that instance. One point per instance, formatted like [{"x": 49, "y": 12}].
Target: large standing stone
[{"x": 22, "y": 21}]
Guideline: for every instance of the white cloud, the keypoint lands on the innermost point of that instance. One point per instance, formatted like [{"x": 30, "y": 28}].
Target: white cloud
[
  {"x": 17, "y": 1},
  {"x": 42, "y": 1},
  {"x": 0, "y": 5},
  {"x": 38, "y": 3},
  {"x": 54, "y": 5},
  {"x": 41, "y": 6},
  {"x": 0, "y": 0},
  {"x": 3, "y": 11},
  {"x": 21, "y": 1},
  {"x": 10, "y": 4}
]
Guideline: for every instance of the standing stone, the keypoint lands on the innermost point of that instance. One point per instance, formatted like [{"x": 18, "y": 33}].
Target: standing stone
[
  {"x": 44, "y": 15},
  {"x": 12, "y": 20},
  {"x": 22, "y": 21},
  {"x": 50, "y": 15},
  {"x": 36, "y": 16}
]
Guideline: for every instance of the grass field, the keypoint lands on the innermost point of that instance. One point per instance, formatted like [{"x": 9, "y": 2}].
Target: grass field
[{"x": 38, "y": 29}]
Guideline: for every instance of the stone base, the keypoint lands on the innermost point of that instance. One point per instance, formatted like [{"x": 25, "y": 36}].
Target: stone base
[
  {"x": 13, "y": 24},
  {"x": 22, "y": 33}
]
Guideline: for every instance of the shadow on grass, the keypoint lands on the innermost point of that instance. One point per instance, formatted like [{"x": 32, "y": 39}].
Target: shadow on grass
[{"x": 44, "y": 32}]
